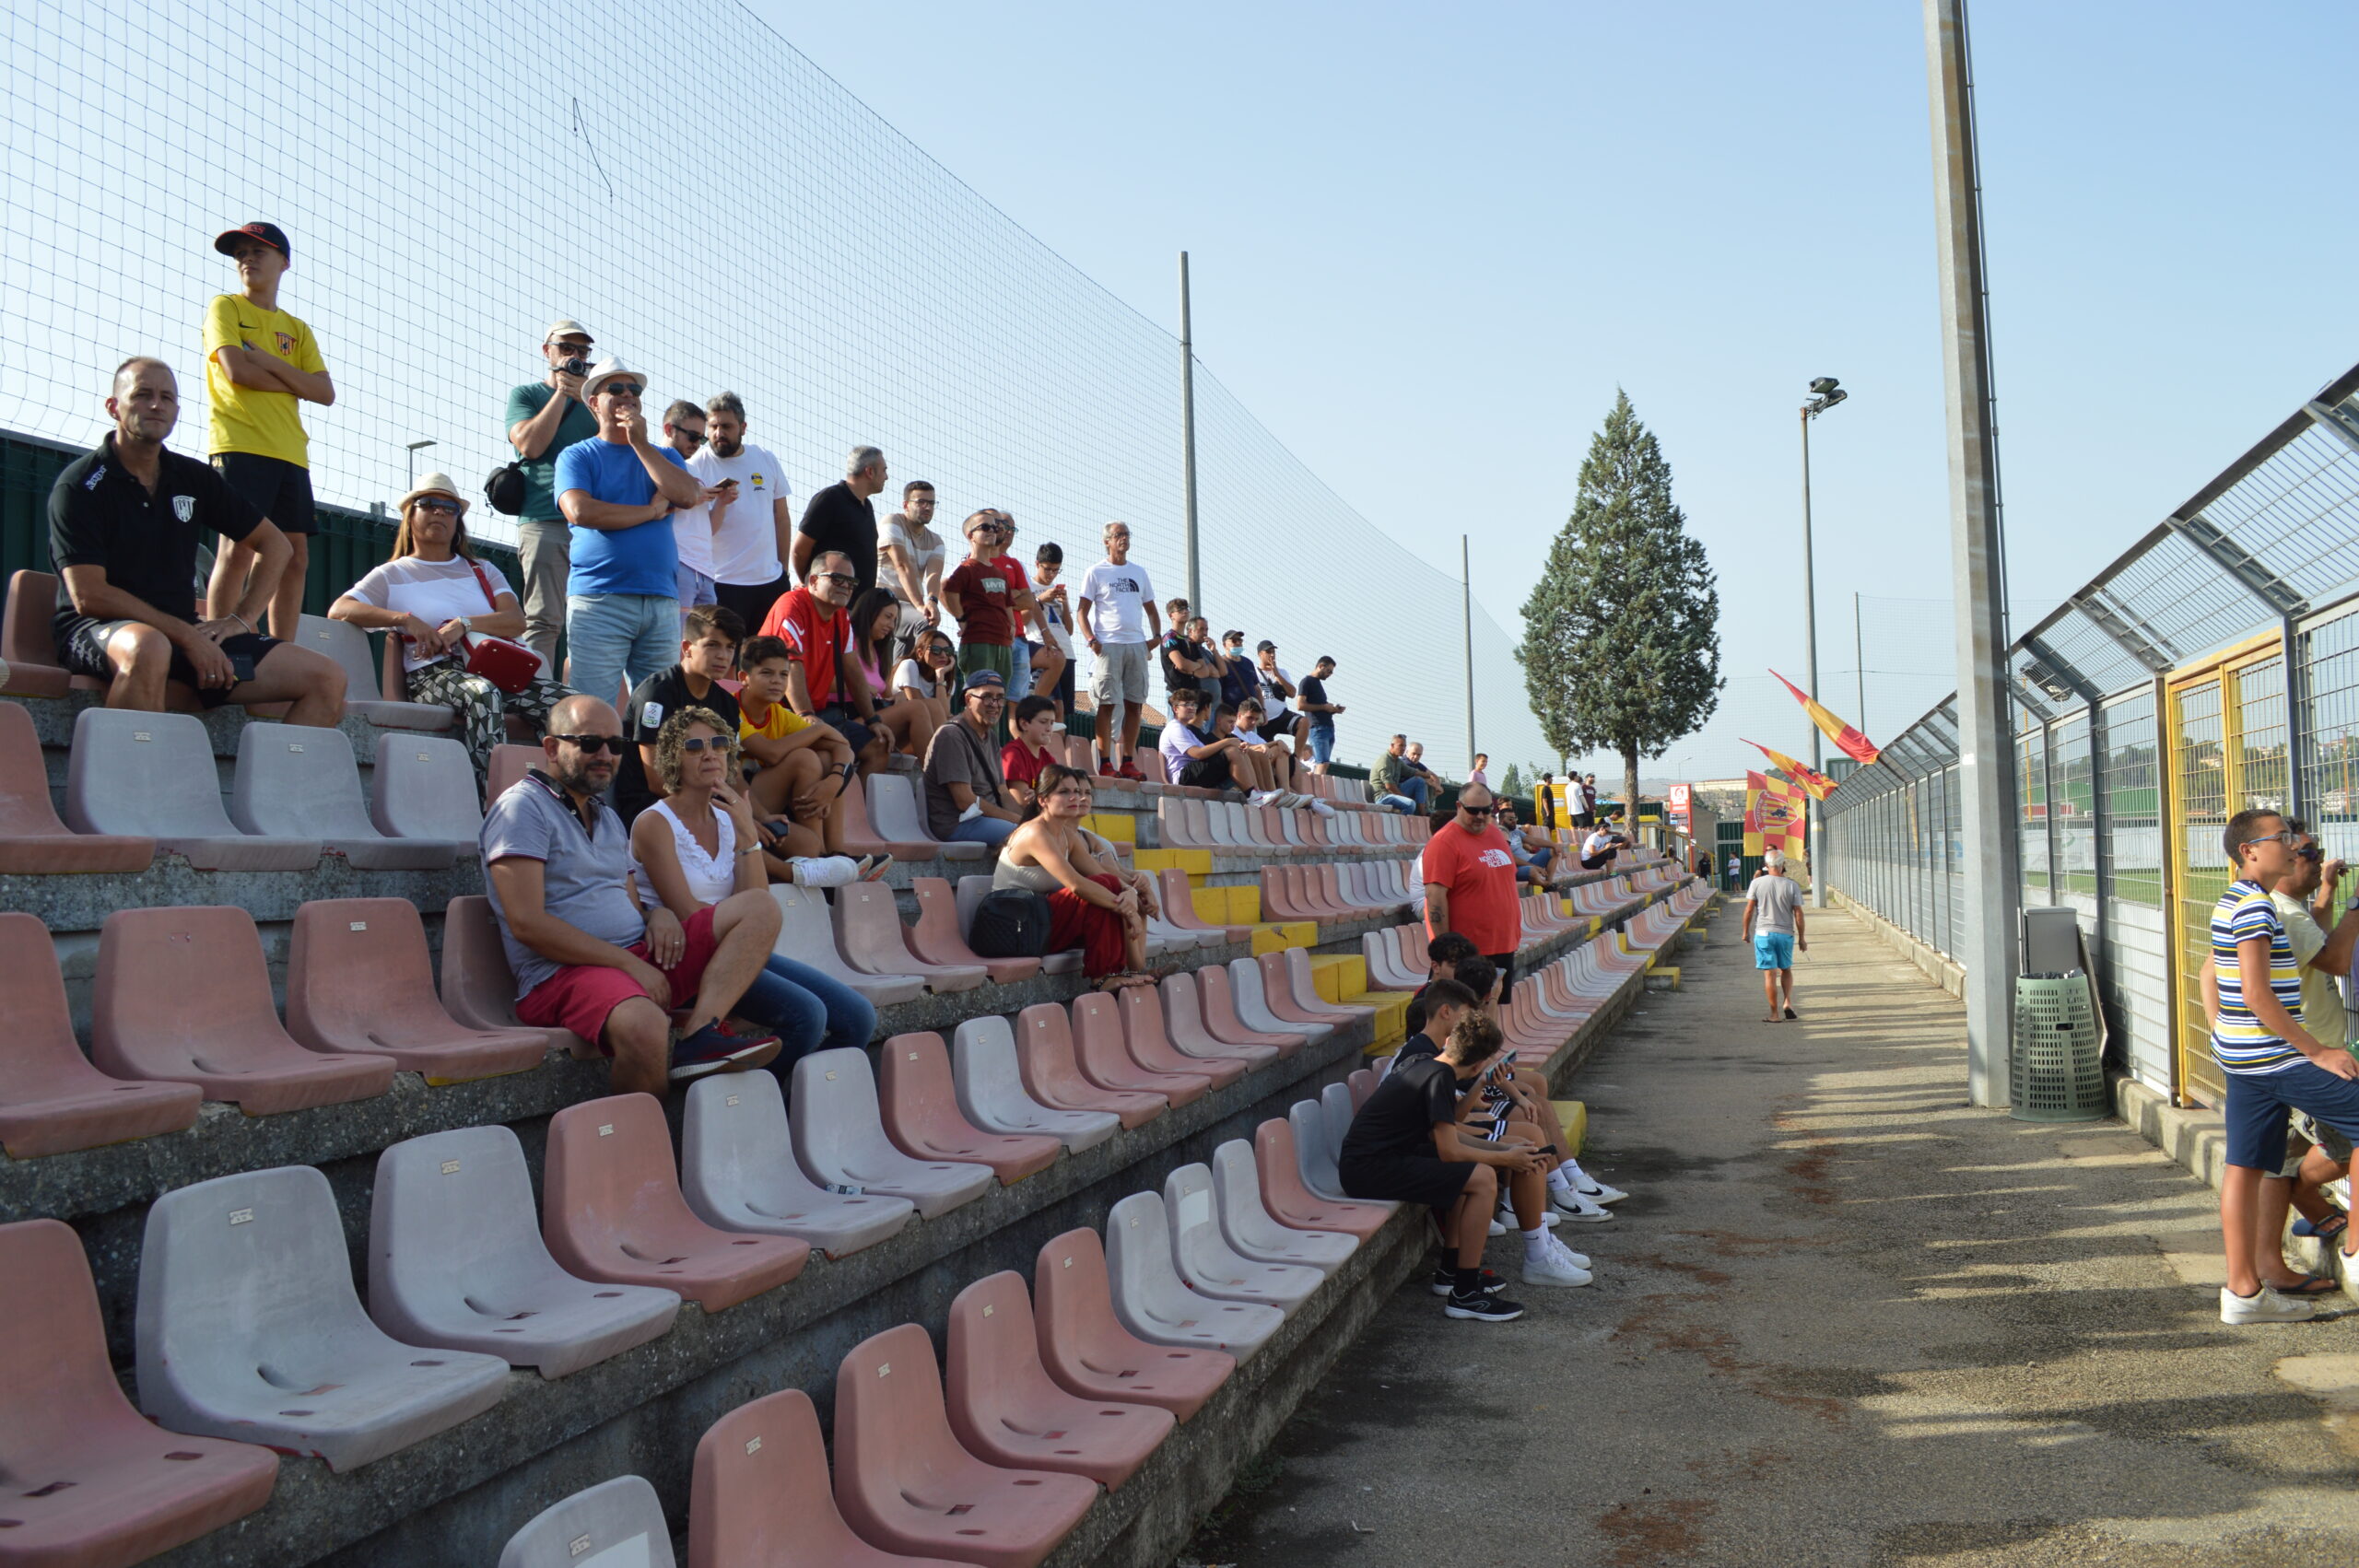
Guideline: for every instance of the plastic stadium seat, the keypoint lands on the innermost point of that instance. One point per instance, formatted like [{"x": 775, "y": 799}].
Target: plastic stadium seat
[
  {"x": 153, "y": 774},
  {"x": 1247, "y": 1226},
  {"x": 33, "y": 842},
  {"x": 1006, "y": 1409},
  {"x": 611, "y": 1210},
  {"x": 1105, "y": 1059},
  {"x": 936, "y": 938},
  {"x": 478, "y": 990},
  {"x": 919, "y": 1102},
  {"x": 761, "y": 1498},
  {"x": 990, "y": 1090},
  {"x": 1253, "y": 1009},
  {"x": 1296, "y": 963},
  {"x": 1183, "y": 1025},
  {"x": 348, "y": 646},
  {"x": 971, "y": 892},
  {"x": 1385, "y": 970},
  {"x": 249, "y": 1328},
  {"x": 423, "y": 787},
  {"x": 507, "y": 769},
  {"x": 1285, "y": 1002},
  {"x": 869, "y": 934},
  {"x": 904, "y": 1483},
  {"x": 1363, "y": 1083},
  {"x": 1209, "y": 1265},
  {"x": 1087, "y": 1350},
  {"x": 294, "y": 781},
  {"x": 1294, "y": 1205},
  {"x": 359, "y": 979},
  {"x": 1222, "y": 1019},
  {"x": 1177, "y": 896},
  {"x": 806, "y": 934},
  {"x": 862, "y": 837},
  {"x": 1141, "y": 1009},
  {"x": 183, "y": 995},
  {"x": 88, "y": 1482},
  {"x": 52, "y": 1100},
  {"x": 1315, "y": 1142},
  {"x": 26, "y": 646},
  {"x": 739, "y": 1172},
  {"x": 1044, "y": 1055},
  {"x": 619, "y": 1522},
  {"x": 839, "y": 1138},
  {"x": 893, "y": 804},
  {"x": 1155, "y": 1303},
  {"x": 456, "y": 1259}
]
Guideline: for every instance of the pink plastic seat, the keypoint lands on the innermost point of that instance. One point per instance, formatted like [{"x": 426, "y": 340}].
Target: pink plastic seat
[
  {"x": 478, "y": 990},
  {"x": 1283, "y": 979},
  {"x": 1292, "y": 1205},
  {"x": 1363, "y": 1081},
  {"x": 936, "y": 938},
  {"x": 1104, "y": 1058},
  {"x": 903, "y": 1483},
  {"x": 26, "y": 645},
  {"x": 182, "y": 995},
  {"x": 359, "y": 979},
  {"x": 1183, "y": 1025},
  {"x": 1220, "y": 1015},
  {"x": 1087, "y": 1350},
  {"x": 870, "y": 933},
  {"x": 1006, "y": 1409},
  {"x": 761, "y": 1496},
  {"x": 52, "y": 1099},
  {"x": 33, "y": 842},
  {"x": 1177, "y": 897},
  {"x": 1044, "y": 1057},
  {"x": 1141, "y": 1009},
  {"x": 1278, "y": 901},
  {"x": 611, "y": 1210},
  {"x": 919, "y": 1102},
  {"x": 861, "y": 836},
  {"x": 508, "y": 766},
  {"x": 85, "y": 1480}
]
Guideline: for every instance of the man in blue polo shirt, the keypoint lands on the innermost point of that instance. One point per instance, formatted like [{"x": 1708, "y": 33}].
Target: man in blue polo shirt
[{"x": 618, "y": 491}]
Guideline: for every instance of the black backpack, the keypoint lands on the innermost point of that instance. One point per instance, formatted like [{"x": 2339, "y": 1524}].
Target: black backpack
[{"x": 1010, "y": 923}]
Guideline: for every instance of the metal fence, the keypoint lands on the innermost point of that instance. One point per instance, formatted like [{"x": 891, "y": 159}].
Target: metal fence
[{"x": 2212, "y": 668}]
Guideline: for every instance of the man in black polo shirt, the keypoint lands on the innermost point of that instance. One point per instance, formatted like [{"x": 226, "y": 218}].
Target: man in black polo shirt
[
  {"x": 708, "y": 644},
  {"x": 123, "y": 522},
  {"x": 840, "y": 518}
]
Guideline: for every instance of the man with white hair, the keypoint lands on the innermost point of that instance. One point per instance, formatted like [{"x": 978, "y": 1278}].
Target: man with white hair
[
  {"x": 841, "y": 517},
  {"x": 1773, "y": 920},
  {"x": 1115, "y": 607}
]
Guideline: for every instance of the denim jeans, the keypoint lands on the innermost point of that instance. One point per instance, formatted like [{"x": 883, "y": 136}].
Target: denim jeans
[
  {"x": 981, "y": 830},
  {"x": 1419, "y": 790},
  {"x": 619, "y": 639},
  {"x": 1019, "y": 679},
  {"x": 1323, "y": 744},
  {"x": 810, "y": 1010},
  {"x": 1401, "y": 803}
]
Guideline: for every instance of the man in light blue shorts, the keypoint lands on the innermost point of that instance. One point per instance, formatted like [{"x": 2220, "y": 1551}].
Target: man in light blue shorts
[{"x": 1773, "y": 918}]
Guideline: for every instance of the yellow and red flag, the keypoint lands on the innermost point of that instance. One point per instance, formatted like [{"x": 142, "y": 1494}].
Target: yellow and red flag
[
  {"x": 1817, "y": 784},
  {"x": 1848, "y": 741},
  {"x": 1773, "y": 817}
]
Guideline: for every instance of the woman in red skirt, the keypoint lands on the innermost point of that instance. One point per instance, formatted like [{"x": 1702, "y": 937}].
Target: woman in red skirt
[{"x": 1090, "y": 906}]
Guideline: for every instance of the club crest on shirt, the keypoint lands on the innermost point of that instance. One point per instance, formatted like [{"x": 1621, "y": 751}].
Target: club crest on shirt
[
  {"x": 757, "y": 481},
  {"x": 286, "y": 342},
  {"x": 651, "y": 715},
  {"x": 184, "y": 507}
]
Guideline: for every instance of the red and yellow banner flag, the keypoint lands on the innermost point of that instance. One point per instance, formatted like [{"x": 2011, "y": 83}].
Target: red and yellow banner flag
[
  {"x": 1773, "y": 817},
  {"x": 1818, "y": 785},
  {"x": 1848, "y": 741}
]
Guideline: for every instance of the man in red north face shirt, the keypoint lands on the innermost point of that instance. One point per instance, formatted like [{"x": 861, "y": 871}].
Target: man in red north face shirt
[{"x": 1470, "y": 883}]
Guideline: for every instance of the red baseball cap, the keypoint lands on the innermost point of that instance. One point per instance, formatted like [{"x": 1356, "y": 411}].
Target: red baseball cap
[{"x": 269, "y": 234}]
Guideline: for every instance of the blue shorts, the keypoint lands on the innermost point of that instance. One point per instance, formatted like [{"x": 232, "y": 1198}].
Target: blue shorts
[
  {"x": 1775, "y": 950},
  {"x": 2257, "y": 1104},
  {"x": 1323, "y": 744}
]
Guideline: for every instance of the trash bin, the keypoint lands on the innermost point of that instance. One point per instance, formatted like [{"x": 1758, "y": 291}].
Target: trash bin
[{"x": 2057, "y": 1073}]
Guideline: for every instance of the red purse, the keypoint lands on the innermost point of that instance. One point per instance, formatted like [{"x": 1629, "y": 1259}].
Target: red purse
[{"x": 511, "y": 666}]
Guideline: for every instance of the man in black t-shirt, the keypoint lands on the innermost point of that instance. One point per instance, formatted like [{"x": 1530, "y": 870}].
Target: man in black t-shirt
[
  {"x": 842, "y": 517},
  {"x": 124, "y": 524},
  {"x": 707, "y": 655},
  {"x": 1318, "y": 714}
]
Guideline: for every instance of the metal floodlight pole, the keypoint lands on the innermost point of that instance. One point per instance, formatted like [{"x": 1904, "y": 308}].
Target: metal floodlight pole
[
  {"x": 415, "y": 448},
  {"x": 1466, "y": 619},
  {"x": 1826, "y": 395},
  {"x": 1188, "y": 439},
  {"x": 1977, "y": 562},
  {"x": 1860, "y": 663}
]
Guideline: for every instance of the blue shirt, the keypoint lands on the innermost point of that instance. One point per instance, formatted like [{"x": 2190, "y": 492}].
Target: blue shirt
[
  {"x": 640, "y": 559},
  {"x": 2240, "y": 1042}
]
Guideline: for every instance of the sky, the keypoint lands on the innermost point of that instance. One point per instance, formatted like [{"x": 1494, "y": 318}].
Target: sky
[{"x": 1429, "y": 244}]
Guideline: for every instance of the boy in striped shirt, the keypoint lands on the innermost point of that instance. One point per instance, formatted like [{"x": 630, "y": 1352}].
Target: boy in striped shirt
[{"x": 2272, "y": 1064}]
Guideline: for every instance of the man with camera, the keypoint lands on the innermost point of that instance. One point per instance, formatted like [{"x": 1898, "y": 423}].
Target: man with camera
[{"x": 544, "y": 419}]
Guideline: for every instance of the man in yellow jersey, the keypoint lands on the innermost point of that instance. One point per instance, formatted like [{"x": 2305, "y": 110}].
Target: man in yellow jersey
[{"x": 259, "y": 363}]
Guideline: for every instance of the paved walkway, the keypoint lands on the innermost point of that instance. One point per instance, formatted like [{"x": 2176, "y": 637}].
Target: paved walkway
[{"x": 1843, "y": 1319}]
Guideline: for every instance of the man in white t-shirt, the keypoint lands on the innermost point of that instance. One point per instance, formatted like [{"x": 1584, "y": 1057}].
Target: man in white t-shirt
[
  {"x": 1116, "y": 609},
  {"x": 692, "y": 526},
  {"x": 753, "y": 535}
]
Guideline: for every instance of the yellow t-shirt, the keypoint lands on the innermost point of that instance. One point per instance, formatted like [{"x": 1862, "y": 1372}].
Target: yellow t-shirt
[
  {"x": 776, "y": 724},
  {"x": 248, "y": 419}
]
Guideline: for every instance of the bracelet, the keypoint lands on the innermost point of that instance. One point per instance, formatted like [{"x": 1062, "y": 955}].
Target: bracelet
[
  {"x": 244, "y": 622},
  {"x": 751, "y": 849}
]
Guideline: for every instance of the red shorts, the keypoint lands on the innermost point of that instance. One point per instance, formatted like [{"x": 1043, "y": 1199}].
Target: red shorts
[{"x": 579, "y": 996}]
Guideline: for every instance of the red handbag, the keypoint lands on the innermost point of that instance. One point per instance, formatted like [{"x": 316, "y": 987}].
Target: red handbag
[{"x": 511, "y": 666}]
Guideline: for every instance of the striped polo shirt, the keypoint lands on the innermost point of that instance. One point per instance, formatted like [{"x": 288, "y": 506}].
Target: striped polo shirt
[{"x": 2239, "y": 1041}]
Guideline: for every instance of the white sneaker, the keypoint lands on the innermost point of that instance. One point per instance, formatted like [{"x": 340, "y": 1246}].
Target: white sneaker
[
  {"x": 1578, "y": 1260},
  {"x": 1575, "y": 1207},
  {"x": 1555, "y": 1271},
  {"x": 824, "y": 871},
  {"x": 1321, "y": 808},
  {"x": 1263, "y": 798},
  {"x": 1498, "y": 1227},
  {"x": 2264, "y": 1305},
  {"x": 1598, "y": 1192}
]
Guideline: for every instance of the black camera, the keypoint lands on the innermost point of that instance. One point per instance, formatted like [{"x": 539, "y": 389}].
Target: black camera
[{"x": 576, "y": 366}]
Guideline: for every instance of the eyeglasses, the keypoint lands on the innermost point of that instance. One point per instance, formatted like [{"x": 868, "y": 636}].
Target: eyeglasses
[
  {"x": 437, "y": 504},
  {"x": 618, "y": 389},
  {"x": 702, "y": 742},
  {"x": 987, "y": 698},
  {"x": 593, "y": 745},
  {"x": 2284, "y": 836}
]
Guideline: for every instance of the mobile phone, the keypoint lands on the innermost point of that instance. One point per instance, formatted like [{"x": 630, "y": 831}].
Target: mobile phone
[{"x": 242, "y": 666}]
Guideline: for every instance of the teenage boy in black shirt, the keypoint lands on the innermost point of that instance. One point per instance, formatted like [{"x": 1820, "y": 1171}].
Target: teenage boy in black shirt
[{"x": 708, "y": 653}]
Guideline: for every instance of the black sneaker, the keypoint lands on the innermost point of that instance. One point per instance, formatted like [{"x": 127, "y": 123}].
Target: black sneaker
[
  {"x": 717, "y": 1047},
  {"x": 1487, "y": 1308},
  {"x": 1445, "y": 1281}
]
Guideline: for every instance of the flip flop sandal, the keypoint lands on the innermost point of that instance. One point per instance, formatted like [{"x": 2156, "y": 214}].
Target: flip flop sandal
[
  {"x": 2334, "y": 1226},
  {"x": 2312, "y": 1285}
]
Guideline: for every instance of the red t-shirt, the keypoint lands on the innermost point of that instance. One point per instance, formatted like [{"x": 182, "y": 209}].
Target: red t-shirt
[
  {"x": 1479, "y": 875},
  {"x": 1017, "y": 579},
  {"x": 1020, "y": 767},
  {"x": 816, "y": 644},
  {"x": 986, "y": 597}
]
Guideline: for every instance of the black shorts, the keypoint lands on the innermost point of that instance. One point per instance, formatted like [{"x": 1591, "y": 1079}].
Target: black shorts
[
  {"x": 1504, "y": 963},
  {"x": 1408, "y": 1178},
  {"x": 82, "y": 649},
  {"x": 278, "y": 489},
  {"x": 1281, "y": 723},
  {"x": 1581, "y": 819},
  {"x": 1600, "y": 862},
  {"x": 752, "y": 600},
  {"x": 1206, "y": 773}
]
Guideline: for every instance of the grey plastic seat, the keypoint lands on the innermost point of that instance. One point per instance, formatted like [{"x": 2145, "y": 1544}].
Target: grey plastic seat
[
  {"x": 1336, "y": 1110},
  {"x": 893, "y": 811},
  {"x": 806, "y": 934},
  {"x": 294, "y": 779},
  {"x": 249, "y": 1328},
  {"x": 1209, "y": 1265},
  {"x": 1155, "y": 1304},
  {"x": 738, "y": 1172},
  {"x": 615, "y": 1524},
  {"x": 839, "y": 1138},
  {"x": 1248, "y": 1227},
  {"x": 423, "y": 787},
  {"x": 989, "y": 1086},
  {"x": 1314, "y": 1154},
  {"x": 971, "y": 890},
  {"x": 153, "y": 774},
  {"x": 1253, "y": 1007},
  {"x": 456, "y": 1259},
  {"x": 363, "y": 691}
]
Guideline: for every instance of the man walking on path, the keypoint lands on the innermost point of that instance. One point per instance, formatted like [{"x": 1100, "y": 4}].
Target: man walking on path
[
  {"x": 1773, "y": 920},
  {"x": 1469, "y": 877}
]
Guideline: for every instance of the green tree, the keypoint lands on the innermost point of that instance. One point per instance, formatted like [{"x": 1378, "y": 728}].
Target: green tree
[
  {"x": 1622, "y": 645},
  {"x": 1512, "y": 785}
]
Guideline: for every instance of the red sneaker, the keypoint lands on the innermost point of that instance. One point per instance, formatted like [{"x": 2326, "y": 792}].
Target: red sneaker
[
  {"x": 1105, "y": 767},
  {"x": 1130, "y": 770}
]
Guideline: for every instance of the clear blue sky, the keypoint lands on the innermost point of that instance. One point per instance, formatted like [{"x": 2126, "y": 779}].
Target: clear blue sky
[{"x": 1431, "y": 241}]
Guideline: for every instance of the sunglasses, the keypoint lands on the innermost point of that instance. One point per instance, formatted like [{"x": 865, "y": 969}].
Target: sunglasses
[
  {"x": 1478, "y": 811},
  {"x": 619, "y": 389},
  {"x": 593, "y": 745},
  {"x": 696, "y": 437},
  {"x": 704, "y": 743},
  {"x": 437, "y": 504},
  {"x": 835, "y": 577},
  {"x": 2311, "y": 853}
]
